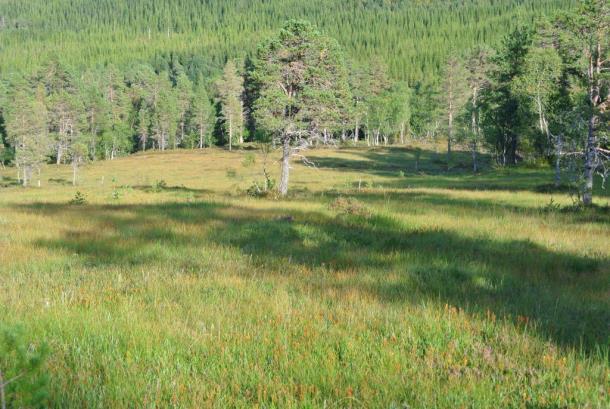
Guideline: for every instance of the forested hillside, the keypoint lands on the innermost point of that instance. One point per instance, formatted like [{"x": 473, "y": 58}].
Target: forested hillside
[{"x": 411, "y": 36}]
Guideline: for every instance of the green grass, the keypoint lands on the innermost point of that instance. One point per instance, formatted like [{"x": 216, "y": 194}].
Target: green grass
[{"x": 170, "y": 287}]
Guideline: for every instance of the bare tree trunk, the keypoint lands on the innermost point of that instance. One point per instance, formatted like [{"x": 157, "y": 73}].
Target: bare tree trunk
[
  {"x": 200, "y": 138},
  {"x": 590, "y": 159},
  {"x": 74, "y": 169},
  {"x": 449, "y": 137},
  {"x": 25, "y": 176},
  {"x": 2, "y": 395},
  {"x": 402, "y": 133},
  {"x": 230, "y": 133},
  {"x": 558, "y": 147},
  {"x": 475, "y": 165},
  {"x": 182, "y": 131},
  {"x": 357, "y": 132},
  {"x": 591, "y": 147},
  {"x": 59, "y": 153},
  {"x": 475, "y": 133},
  {"x": 286, "y": 151}
]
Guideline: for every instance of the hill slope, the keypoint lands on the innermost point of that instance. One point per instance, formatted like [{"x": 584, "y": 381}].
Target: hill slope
[{"x": 411, "y": 36}]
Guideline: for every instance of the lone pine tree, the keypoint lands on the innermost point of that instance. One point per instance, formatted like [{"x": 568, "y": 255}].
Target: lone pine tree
[{"x": 300, "y": 73}]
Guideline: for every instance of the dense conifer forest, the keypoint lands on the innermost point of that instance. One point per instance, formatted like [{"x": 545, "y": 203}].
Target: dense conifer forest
[{"x": 412, "y": 37}]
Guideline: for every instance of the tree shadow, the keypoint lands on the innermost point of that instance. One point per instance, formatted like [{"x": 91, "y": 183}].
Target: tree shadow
[
  {"x": 563, "y": 295},
  {"x": 164, "y": 188},
  {"x": 447, "y": 204},
  {"x": 6, "y": 181},
  {"x": 60, "y": 181},
  {"x": 384, "y": 161},
  {"x": 432, "y": 171}
]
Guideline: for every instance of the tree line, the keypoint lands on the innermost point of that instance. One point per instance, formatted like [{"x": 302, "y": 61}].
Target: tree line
[{"x": 64, "y": 116}]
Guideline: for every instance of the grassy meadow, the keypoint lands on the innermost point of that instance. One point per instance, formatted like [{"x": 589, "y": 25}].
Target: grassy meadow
[{"x": 372, "y": 286}]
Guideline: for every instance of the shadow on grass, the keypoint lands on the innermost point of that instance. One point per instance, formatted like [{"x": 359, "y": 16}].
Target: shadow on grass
[
  {"x": 384, "y": 161},
  {"x": 6, "y": 181},
  {"x": 446, "y": 204},
  {"x": 431, "y": 171},
  {"x": 165, "y": 188},
  {"x": 563, "y": 294},
  {"x": 60, "y": 181}
]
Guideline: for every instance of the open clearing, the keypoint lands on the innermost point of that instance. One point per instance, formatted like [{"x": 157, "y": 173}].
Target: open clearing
[{"x": 367, "y": 287}]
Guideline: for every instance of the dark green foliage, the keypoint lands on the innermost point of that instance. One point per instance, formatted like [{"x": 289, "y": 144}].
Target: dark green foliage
[
  {"x": 507, "y": 115},
  {"x": 303, "y": 90},
  {"x": 412, "y": 36},
  {"x": 79, "y": 199},
  {"x": 22, "y": 369}
]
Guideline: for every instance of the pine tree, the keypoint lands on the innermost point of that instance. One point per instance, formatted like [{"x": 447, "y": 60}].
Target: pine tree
[
  {"x": 297, "y": 72},
  {"x": 144, "y": 120},
  {"x": 95, "y": 120},
  {"x": 506, "y": 119},
  {"x": 230, "y": 90},
  {"x": 202, "y": 115},
  {"x": 116, "y": 137},
  {"x": 166, "y": 112},
  {"x": 184, "y": 97},
  {"x": 26, "y": 123}
]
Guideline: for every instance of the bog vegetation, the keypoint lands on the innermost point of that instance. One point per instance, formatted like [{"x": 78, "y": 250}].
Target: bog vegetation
[
  {"x": 436, "y": 233},
  {"x": 159, "y": 281}
]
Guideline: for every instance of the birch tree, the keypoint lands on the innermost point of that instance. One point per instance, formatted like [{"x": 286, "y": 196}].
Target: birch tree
[
  {"x": 477, "y": 67},
  {"x": 584, "y": 43},
  {"x": 540, "y": 83}
]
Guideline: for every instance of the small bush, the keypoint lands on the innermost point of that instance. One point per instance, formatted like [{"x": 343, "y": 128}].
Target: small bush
[
  {"x": 263, "y": 189},
  {"x": 349, "y": 206},
  {"x": 160, "y": 185},
  {"x": 231, "y": 173},
  {"x": 401, "y": 174},
  {"x": 552, "y": 206},
  {"x": 249, "y": 160},
  {"x": 78, "y": 199}
]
